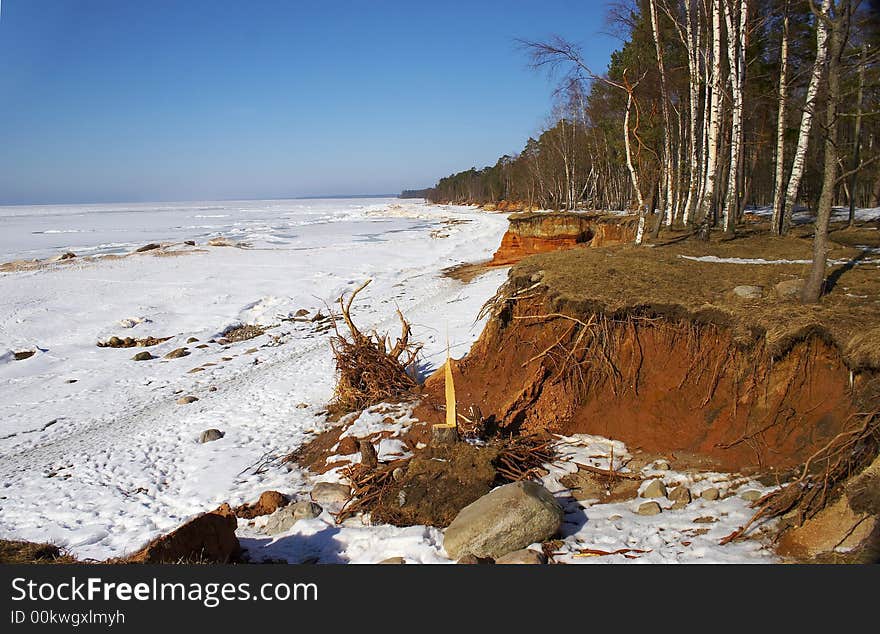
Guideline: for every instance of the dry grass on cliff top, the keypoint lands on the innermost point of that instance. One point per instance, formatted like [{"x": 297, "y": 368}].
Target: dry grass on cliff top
[
  {"x": 19, "y": 552},
  {"x": 658, "y": 280}
]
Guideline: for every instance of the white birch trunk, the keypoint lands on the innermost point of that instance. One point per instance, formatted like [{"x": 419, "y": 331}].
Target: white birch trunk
[
  {"x": 633, "y": 174},
  {"x": 664, "y": 97},
  {"x": 800, "y": 154},
  {"x": 714, "y": 130},
  {"x": 694, "y": 87},
  {"x": 779, "y": 183},
  {"x": 736, "y": 49}
]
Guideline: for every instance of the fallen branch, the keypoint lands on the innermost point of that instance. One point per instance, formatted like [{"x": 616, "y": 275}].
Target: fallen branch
[{"x": 609, "y": 473}]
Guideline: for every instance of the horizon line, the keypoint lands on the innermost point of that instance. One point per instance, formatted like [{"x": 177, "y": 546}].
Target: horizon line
[{"x": 197, "y": 200}]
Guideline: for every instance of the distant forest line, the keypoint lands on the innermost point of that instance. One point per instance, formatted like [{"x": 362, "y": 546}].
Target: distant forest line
[{"x": 725, "y": 102}]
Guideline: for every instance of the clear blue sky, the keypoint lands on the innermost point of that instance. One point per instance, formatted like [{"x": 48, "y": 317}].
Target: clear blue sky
[{"x": 125, "y": 100}]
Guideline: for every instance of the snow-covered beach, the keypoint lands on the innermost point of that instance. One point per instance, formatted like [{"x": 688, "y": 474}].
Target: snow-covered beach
[{"x": 96, "y": 455}]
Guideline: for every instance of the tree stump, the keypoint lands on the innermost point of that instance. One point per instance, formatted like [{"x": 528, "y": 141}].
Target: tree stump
[
  {"x": 369, "y": 458},
  {"x": 441, "y": 435}
]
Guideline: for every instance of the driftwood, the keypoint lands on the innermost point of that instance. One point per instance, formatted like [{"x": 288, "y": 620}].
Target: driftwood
[{"x": 370, "y": 369}]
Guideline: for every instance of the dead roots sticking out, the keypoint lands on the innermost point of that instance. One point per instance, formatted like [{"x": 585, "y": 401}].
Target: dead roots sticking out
[
  {"x": 370, "y": 369},
  {"x": 845, "y": 455}
]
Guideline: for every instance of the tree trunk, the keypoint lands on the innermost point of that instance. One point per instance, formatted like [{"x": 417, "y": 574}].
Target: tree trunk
[
  {"x": 694, "y": 107},
  {"x": 779, "y": 185},
  {"x": 633, "y": 174},
  {"x": 714, "y": 129},
  {"x": 736, "y": 52},
  {"x": 857, "y": 134},
  {"x": 800, "y": 155},
  {"x": 815, "y": 281},
  {"x": 667, "y": 127}
]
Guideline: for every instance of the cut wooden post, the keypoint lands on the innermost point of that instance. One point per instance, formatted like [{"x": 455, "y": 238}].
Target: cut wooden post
[{"x": 447, "y": 434}]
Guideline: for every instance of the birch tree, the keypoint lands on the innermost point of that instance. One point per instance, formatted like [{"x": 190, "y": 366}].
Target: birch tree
[
  {"x": 667, "y": 126},
  {"x": 779, "y": 181},
  {"x": 713, "y": 131},
  {"x": 735, "y": 20},
  {"x": 800, "y": 154}
]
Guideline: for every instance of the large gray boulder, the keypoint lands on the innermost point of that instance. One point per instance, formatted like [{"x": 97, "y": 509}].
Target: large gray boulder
[{"x": 504, "y": 520}]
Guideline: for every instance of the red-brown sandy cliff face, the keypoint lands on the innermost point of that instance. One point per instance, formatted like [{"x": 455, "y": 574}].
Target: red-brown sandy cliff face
[
  {"x": 542, "y": 232},
  {"x": 662, "y": 385}
]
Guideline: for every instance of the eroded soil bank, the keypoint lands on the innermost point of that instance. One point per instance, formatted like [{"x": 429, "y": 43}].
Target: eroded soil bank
[
  {"x": 533, "y": 233},
  {"x": 652, "y": 347}
]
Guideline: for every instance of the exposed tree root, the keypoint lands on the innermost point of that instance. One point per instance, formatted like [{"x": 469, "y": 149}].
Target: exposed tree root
[
  {"x": 845, "y": 455},
  {"x": 370, "y": 370}
]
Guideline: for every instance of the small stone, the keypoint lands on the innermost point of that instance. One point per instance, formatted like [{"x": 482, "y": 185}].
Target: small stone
[
  {"x": 147, "y": 247},
  {"x": 142, "y": 356},
  {"x": 302, "y": 405},
  {"x": 213, "y": 388},
  {"x": 649, "y": 508},
  {"x": 393, "y": 560},
  {"x": 331, "y": 493},
  {"x": 681, "y": 497},
  {"x": 302, "y": 312},
  {"x": 190, "y": 243},
  {"x": 789, "y": 288},
  {"x": 177, "y": 353},
  {"x": 472, "y": 560},
  {"x": 192, "y": 340},
  {"x": 202, "y": 346},
  {"x": 524, "y": 556},
  {"x": 194, "y": 370},
  {"x": 210, "y": 435},
  {"x": 68, "y": 255},
  {"x": 186, "y": 400},
  {"x": 347, "y": 446},
  {"x": 661, "y": 465},
  {"x": 708, "y": 519},
  {"x": 655, "y": 489},
  {"x": 751, "y": 495},
  {"x": 269, "y": 502},
  {"x": 285, "y": 517},
  {"x": 749, "y": 292},
  {"x": 710, "y": 494}
]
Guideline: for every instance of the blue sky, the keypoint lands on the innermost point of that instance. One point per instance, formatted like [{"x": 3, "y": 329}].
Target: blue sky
[{"x": 118, "y": 100}]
